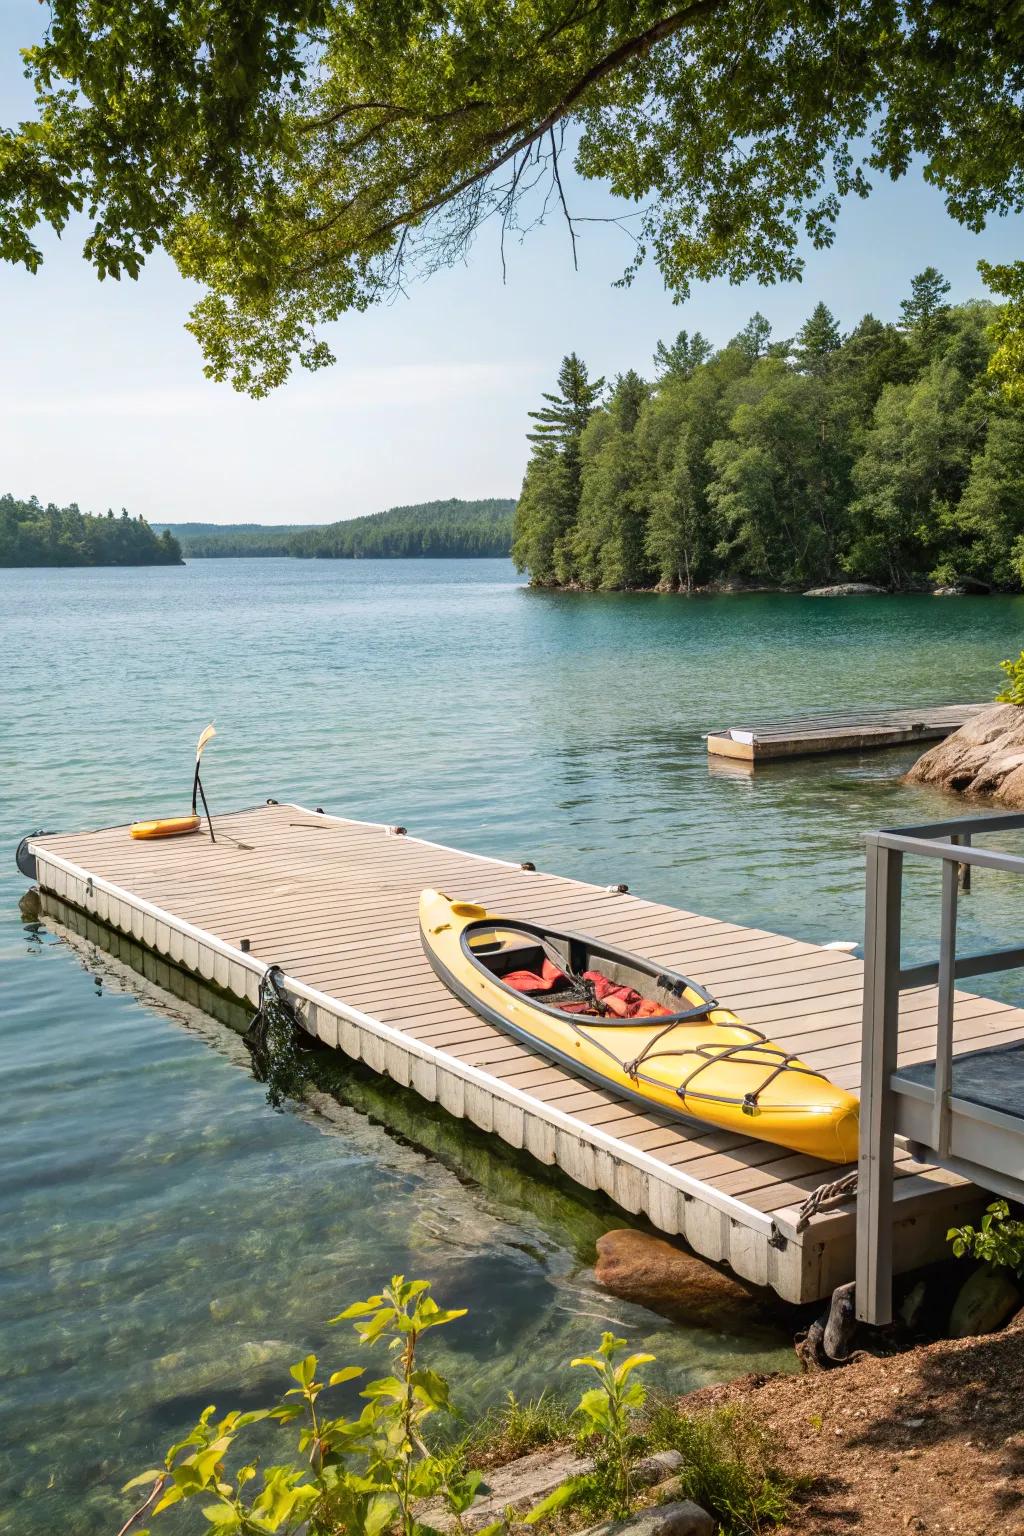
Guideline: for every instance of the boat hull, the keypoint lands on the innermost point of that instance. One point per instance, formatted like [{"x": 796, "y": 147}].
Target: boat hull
[{"x": 712, "y": 1069}]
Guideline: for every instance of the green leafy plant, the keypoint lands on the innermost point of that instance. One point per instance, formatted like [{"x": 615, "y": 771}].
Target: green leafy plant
[
  {"x": 999, "y": 1240},
  {"x": 379, "y": 1472},
  {"x": 608, "y": 1411},
  {"x": 362, "y": 1475},
  {"x": 1013, "y": 693}
]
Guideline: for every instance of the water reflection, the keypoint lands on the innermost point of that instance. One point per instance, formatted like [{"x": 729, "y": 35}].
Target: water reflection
[{"x": 194, "y": 1250}]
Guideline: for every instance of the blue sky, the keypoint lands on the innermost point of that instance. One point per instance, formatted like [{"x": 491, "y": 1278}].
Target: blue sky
[{"x": 102, "y": 398}]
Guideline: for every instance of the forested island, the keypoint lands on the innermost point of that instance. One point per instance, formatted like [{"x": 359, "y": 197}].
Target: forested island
[
  {"x": 450, "y": 529},
  {"x": 31, "y": 534},
  {"x": 888, "y": 455}
]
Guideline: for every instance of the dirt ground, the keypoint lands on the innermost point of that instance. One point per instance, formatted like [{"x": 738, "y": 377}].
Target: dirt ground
[{"x": 931, "y": 1440}]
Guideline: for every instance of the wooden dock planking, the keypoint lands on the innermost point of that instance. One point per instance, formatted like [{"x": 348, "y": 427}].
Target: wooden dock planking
[
  {"x": 334, "y": 903},
  {"x": 839, "y": 731}
]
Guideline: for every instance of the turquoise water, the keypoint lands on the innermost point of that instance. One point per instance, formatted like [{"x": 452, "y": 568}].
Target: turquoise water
[{"x": 170, "y": 1241}]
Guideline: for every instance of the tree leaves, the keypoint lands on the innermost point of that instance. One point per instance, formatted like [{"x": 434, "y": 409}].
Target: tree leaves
[{"x": 305, "y": 159}]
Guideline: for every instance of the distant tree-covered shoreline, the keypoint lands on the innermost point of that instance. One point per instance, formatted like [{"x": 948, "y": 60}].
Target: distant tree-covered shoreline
[
  {"x": 450, "y": 529},
  {"x": 888, "y": 455},
  {"x": 32, "y": 535}
]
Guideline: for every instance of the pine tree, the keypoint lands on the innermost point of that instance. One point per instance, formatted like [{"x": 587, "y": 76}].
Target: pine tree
[
  {"x": 681, "y": 358},
  {"x": 549, "y": 504},
  {"x": 610, "y": 537},
  {"x": 562, "y": 420},
  {"x": 925, "y": 314},
  {"x": 817, "y": 342},
  {"x": 754, "y": 339}
]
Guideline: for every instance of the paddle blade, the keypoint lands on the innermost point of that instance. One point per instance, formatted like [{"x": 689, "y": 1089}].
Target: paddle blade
[{"x": 207, "y": 735}]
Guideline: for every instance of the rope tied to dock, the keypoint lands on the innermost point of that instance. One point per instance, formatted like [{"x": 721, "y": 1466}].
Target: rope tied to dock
[
  {"x": 826, "y": 1194},
  {"x": 274, "y": 1040}
]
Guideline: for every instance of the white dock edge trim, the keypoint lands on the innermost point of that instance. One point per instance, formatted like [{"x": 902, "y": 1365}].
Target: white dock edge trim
[{"x": 686, "y": 1184}]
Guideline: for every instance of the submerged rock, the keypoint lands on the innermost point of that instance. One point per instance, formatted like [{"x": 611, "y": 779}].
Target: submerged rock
[
  {"x": 847, "y": 589},
  {"x": 653, "y": 1273},
  {"x": 983, "y": 1303},
  {"x": 984, "y": 757}
]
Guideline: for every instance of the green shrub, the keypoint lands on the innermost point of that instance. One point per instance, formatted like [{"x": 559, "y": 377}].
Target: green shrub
[
  {"x": 999, "y": 1240},
  {"x": 1013, "y": 693},
  {"x": 363, "y": 1475}
]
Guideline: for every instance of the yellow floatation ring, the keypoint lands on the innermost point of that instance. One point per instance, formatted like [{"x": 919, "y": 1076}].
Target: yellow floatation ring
[{"x": 165, "y": 826}]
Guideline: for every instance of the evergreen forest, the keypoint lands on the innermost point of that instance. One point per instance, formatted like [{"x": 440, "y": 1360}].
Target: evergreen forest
[
  {"x": 888, "y": 455},
  {"x": 429, "y": 530},
  {"x": 31, "y": 534}
]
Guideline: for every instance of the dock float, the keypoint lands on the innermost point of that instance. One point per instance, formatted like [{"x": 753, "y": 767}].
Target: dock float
[
  {"x": 839, "y": 731},
  {"x": 333, "y": 903}
]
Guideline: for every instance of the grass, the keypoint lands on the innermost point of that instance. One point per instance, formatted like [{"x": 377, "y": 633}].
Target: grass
[
  {"x": 513, "y": 1430},
  {"x": 727, "y": 1467}
]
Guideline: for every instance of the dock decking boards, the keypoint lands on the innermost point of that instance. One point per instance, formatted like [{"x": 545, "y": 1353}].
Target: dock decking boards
[
  {"x": 334, "y": 904},
  {"x": 839, "y": 731}
]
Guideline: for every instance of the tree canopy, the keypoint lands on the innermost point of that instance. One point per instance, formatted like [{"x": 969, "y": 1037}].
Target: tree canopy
[
  {"x": 31, "y": 534},
  {"x": 300, "y": 158},
  {"x": 888, "y": 455}
]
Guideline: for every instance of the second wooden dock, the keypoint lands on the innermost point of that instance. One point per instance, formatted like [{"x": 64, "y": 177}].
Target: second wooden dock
[{"x": 839, "y": 731}]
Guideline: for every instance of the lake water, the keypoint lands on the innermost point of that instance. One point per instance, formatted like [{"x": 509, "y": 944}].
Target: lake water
[{"x": 169, "y": 1241}]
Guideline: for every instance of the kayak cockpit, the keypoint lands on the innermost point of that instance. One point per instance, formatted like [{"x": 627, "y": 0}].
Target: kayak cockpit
[{"x": 566, "y": 973}]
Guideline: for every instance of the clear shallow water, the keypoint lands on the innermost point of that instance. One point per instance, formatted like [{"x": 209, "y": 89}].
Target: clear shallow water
[{"x": 169, "y": 1241}]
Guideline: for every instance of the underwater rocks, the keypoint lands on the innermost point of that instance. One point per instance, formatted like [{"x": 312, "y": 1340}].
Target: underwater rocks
[{"x": 653, "y": 1273}]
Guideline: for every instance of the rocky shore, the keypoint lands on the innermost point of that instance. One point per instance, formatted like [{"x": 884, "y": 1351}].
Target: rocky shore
[{"x": 984, "y": 758}]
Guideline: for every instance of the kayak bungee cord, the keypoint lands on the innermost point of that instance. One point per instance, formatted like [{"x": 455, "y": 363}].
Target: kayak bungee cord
[
  {"x": 780, "y": 1060},
  {"x": 568, "y": 996},
  {"x": 762, "y": 1051}
]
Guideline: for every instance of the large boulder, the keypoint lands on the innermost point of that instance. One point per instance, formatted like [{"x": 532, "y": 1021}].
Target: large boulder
[
  {"x": 984, "y": 757},
  {"x": 847, "y": 589},
  {"x": 984, "y": 1302},
  {"x": 642, "y": 1268}
]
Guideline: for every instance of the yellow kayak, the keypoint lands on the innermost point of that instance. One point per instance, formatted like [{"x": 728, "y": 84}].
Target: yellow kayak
[
  {"x": 167, "y": 826},
  {"x": 633, "y": 1027}
]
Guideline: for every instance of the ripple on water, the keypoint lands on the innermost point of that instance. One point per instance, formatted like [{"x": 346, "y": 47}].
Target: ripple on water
[{"x": 169, "y": 1241}]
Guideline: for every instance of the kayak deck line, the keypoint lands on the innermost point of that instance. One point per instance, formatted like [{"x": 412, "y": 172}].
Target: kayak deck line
[
  {"x": 839, "y": 731},
  {"x": 338, "y": 915}
]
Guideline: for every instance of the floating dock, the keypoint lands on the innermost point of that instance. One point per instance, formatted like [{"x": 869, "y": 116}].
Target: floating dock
[
  {"x": 839, "y": 731},
  {"x": 333, "y": 902}
]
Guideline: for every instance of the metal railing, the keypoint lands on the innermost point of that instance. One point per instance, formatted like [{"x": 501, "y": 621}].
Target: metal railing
[{"x": 885, "y": 977}]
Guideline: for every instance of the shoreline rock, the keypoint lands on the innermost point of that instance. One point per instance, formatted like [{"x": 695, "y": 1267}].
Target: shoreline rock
[
  {"x": 985, "y": 758},
  {"x": 848, "y": 589}
]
